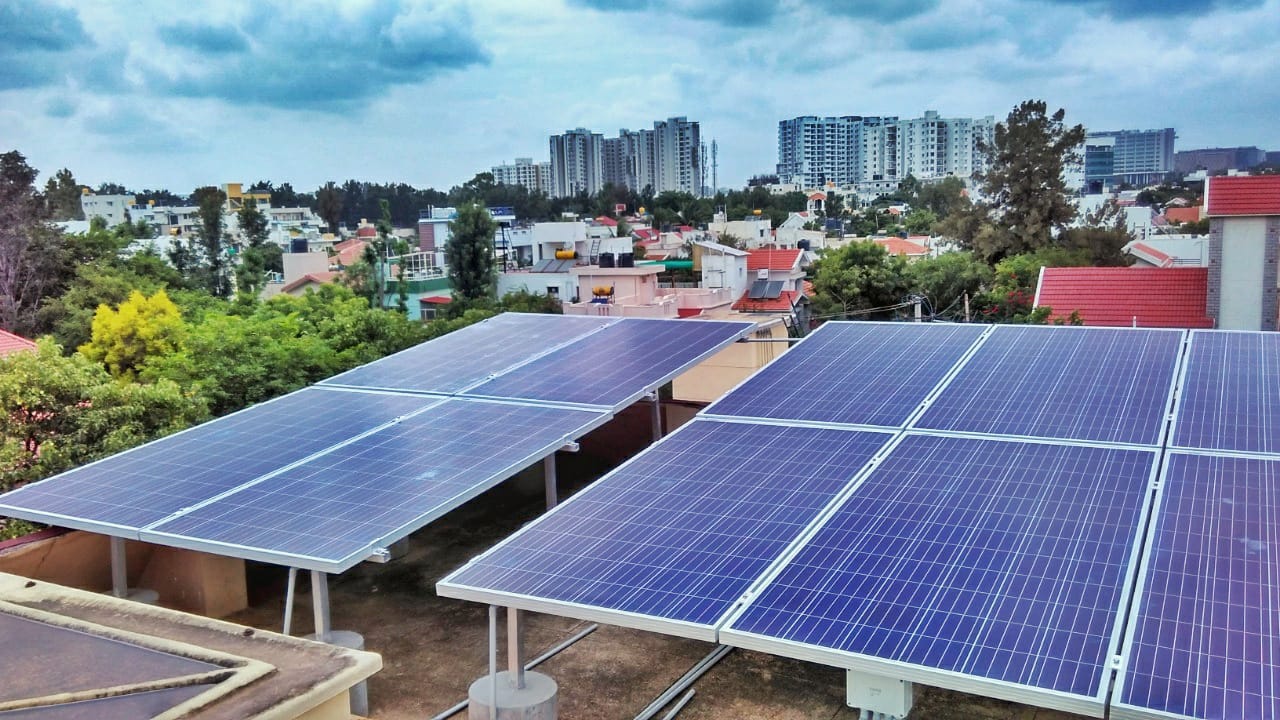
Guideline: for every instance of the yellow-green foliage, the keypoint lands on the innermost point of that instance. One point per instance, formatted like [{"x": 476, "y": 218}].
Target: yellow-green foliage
[{"x": 142, "y": 327}]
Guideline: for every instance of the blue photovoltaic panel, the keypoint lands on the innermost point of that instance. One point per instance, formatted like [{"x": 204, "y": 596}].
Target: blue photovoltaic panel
[
  {"x": 682, "y": 530},
  {"x": 1001, "y": 560},
  {"x": 853, "y": 372},
  {"x": 141, "y": 486},
  {"x": 1230, "y": 397},
  {"x": 464, "y": 357},
  {"x": 334, "y": 508},
  {"x": 613, "y": 366},
  {"x": 1206, "y": 640},
  {"x": 1101, "y": 384}
]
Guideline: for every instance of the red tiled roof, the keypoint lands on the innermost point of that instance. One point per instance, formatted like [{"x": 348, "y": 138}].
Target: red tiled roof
[
  {"x": 606, "y": 220},
  {"x": 367, "y": 232},
  {"x": 435, "y": 300},
  {"x": 772, "y": 259},
  {"x": 645, "y": 233},
  {"x": 348, "y": 255},
  {"x": 1151, "y": 255},
  {"x": 1182, "y": 214},
  {"x": 10, "y": 343},
  {"x": 819, "y": 195},
  {"x": 688, "y": 312},
  {"x": 785, "y": 301},
  {"x": 1244, "y": 195},
  {"x": 319, "y": 278},
  {"x": 1113, "y": 297},
  {"x": 898, "y": 246}
]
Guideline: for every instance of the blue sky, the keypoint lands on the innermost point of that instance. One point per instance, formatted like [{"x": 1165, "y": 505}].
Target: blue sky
[{"x": 177, "y": 95}]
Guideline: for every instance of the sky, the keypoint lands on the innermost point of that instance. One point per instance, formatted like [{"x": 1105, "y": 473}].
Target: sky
[{"x": 153, "y": 94}]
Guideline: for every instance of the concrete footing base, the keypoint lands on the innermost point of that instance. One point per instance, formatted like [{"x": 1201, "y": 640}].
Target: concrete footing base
[
  {"x": 146, "y": 596},
  {"x": 537, "y": 700},
  {"x": 360, "y": 691}
]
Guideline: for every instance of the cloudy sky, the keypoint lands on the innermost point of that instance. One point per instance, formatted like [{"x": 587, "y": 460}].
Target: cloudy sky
[{"x": 155, "y": 94}]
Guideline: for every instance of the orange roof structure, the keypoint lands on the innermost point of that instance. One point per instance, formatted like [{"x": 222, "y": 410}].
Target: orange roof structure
[
  {"x": 1243, "y": 195},
  {"x": 781, "y": 260},
  {"x": 606, "y": 220},
  {"x": 898, "y": 246},
  {"x": 1145, "y": 252},
  {"x": 1182, "y": 214},
  {"x": 319, "y": 278},
  {"x": 10, "y": 343},
  {"x": 1123, "y": 296},
  {"x": 785, "y": 302}
]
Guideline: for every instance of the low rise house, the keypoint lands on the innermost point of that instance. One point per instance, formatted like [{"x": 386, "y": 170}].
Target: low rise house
[{"x": 1244, "y": 249}]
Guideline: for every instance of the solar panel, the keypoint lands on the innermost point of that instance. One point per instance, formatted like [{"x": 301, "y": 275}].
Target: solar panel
[
  {"x": 1100, "y": 384},
  {"x": 857, "y": 373},
  {"x": 773, "y": 289},
  {"x": 1230, "y": 397},
  {"x": 615, "y": 366},
  {"x": 464, "y": 357},
  {"x": 1003, "y": 562},
  {"x": 1204, "y": 639},
  {"x": 543, "y": 266},
  {"x": 678, "y": 534},
  {"x": 330, "y": 512},
  {"x": 758, "y": 288},
  {"x": 146, "y": 484}
]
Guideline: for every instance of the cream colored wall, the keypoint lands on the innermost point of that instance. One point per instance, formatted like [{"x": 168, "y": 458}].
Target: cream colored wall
[
  {"x": 1243, "y": 260},
  {"x": 716, "y": 375}
]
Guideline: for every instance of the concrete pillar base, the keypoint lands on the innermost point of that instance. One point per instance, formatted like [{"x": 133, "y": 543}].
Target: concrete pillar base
[
  {"x": 538, "y": 699},
  {"x": 360, "y": 691},
  {"x": 146, "y": 596}
]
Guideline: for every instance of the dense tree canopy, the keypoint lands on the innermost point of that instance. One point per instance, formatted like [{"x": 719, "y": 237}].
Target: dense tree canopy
[{"x": 469, "y": 254}]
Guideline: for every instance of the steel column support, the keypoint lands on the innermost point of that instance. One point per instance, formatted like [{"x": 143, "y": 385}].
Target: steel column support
[
  {"x": 515, "y": 649},
  {"x": 320, "y": 604},
  {"x": 549, "y": 477},
  {"x": 288, "y": 600},
  {"x": 657, "y": 417},
  {"x": 119, "y": 569}
]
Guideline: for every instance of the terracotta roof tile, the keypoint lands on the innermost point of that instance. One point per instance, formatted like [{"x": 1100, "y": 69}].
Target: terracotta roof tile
[
  {"x": 898, "y": 246},
  {"x": 1244, "y": 195},
  {"x": 606, "y": 220},
  {"x": 772, "y": 259},
  {"x": 1151, "y": 255},
  {"x": 1113, "y": 297},
  {"x": 10, "y": 343},
  {"x": 785, "y": 302},
  {"x": 1182, "y": 214},
  {"x": 319, "y": 278}
]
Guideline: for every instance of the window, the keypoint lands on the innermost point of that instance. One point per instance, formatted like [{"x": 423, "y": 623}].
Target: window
[{"x": 553, "y": 291}]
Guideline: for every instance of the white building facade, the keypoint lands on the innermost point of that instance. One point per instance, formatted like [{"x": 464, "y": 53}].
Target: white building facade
[
  {"x": 526, "y": 173},
  {"x": 577, "y": 163}
]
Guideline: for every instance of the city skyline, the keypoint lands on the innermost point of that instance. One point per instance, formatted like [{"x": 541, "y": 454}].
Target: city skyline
[{"x": 433, "y": 93}]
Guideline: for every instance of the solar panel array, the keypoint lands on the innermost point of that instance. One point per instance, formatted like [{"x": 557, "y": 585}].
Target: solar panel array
[
  {"x": 320, "y": 478},
  {"x": 1030, "y": 501}
]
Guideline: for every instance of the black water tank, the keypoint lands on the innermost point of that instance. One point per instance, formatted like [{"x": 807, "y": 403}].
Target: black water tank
[
  {"x": 626, "y": 260},
  {"x": 802, "y": 244},
  {"x": 606, "y": 260},
  {"x": 298, "y": 245}
]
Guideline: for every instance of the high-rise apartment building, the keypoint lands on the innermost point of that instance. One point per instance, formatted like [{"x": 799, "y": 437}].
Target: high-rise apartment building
[
  {"x": 577, "y": 163},
  {"x": 854, "y": 149},
  {"x": 628, "y": 159},
  {"x": 525, "y": 172},
  {"x": 1139, "y": 157},
  {"x": 677, "y": 156},
  {"x": 1218, "y": 159}
]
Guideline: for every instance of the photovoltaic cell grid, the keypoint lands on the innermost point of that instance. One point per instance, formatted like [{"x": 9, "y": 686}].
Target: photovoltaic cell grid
[
  {"x": 146, "y": 484},
  {"x": 1093, "y": 384},
  {"x": 1230, "y": 396},
  {"x": 681, "y": 531},
  {"x": 334, "y": 509},
  {"x": 996, "y": 559},
  {"x": 854, "y": 373},
  {"x": 608, "y": 368},
  {"x": 1206, "y": 637},
  {"x": 464, "y": 357}
]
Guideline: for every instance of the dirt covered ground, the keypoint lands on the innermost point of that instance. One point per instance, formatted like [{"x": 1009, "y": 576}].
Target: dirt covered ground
[{"x": 433, "y": 648}]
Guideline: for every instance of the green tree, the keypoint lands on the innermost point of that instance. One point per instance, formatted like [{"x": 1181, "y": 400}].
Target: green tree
[
  {"x": 524, "y": 301},
  {"x": 1103, "y": 235},
  {"x": 140, "y": 328},
  {"x": 251, "y": 273},
  {"x": 34, "y": 263},
  {"x": 469, "y": 254},
  {"x": 941, "y": 197},
  {"x": 62, "y": 194},
  {"x": 58, "y": 412},
  {"x": 329, "y": 205},
  {"x": 1025, "y": 191},
  {"x": 207, "y": 256},
  {"x": 945, "y": 280},
  {"x": 920, "y": 221},
  {"x": 1013, "y": 290},
  {"x": 860, "y": 279}
]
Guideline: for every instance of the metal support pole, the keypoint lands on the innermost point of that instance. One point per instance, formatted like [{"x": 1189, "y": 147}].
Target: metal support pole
[
  {"x": 515, "y": 649},
  {"x": 493, "y": 662},
  {"x": 320, "y": 603},
  {"x": 288, "y": 600},
  {"x": 119, "y": 569},
  {"x": 549, "y": 477},
  {"x": 657, "y": 417}
]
